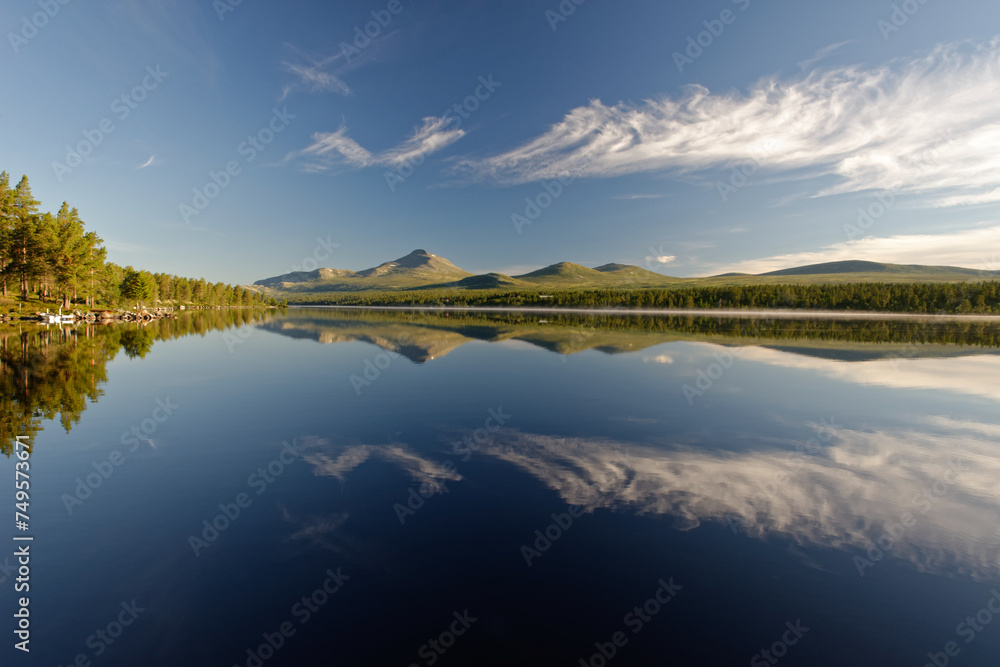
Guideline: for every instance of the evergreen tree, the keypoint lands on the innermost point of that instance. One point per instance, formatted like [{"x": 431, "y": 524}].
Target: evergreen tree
[
  {"x": 164, "y": 285},
  {"x": 23, "y": 251},
  {"x": 6, "y": 226},
  {"x": 137, "y": 286},
  {"x": 69, "y": 253},
  {"x": 92, "y": 266}
]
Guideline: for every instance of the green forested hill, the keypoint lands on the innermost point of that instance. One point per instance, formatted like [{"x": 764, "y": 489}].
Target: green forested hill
[{"x": 421, "y": 278}]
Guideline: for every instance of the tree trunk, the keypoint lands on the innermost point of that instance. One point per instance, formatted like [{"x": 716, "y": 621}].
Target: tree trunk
[{"x": 24, "y": 272}]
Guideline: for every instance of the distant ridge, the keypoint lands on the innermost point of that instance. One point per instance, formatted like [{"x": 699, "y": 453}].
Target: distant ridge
[
  {"x": 417, "y": 268},
  {"x": 421, "y": 270},
  {"x": 561, "y": 269},
  {"x": 303, "y": 277},
  {"x": 861, "y": 266},
  {"x": 488, "y": 281}
]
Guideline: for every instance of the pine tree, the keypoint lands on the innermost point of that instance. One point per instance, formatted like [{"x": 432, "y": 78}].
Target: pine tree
[
  {"x": 23, "y": 251},
  {"x": 137, "y": 286},
  {"x": 6, "y": 226},
  {"x": 92, "y": 266},
  {"x": 69, "y": 253}
]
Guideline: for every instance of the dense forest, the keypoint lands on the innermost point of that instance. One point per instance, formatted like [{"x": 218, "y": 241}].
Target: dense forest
[
  {"x": 53, "y": 258},
  {"x": 929, "y": 298}
]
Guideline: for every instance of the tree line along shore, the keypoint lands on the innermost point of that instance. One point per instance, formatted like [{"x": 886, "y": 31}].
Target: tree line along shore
[
  {"x": 924, "y": 298},
  {"x": 52, "y": 261}
]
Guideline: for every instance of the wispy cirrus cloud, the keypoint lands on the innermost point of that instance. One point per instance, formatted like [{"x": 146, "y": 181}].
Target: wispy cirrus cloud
[
  {"x": 965, "y": 248},
  {"x": 820, "y": 54},
  {"x": 928, "y": 125},
  {"x": 639, "y": 196},
  {"x": 311, "y": 74},
  {"x": 331, "y": 148}
]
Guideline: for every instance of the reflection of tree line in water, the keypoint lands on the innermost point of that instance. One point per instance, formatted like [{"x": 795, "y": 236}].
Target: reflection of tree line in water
[
  {"x": 477, "y": 324},
  {"x": 49, "y": 372}
]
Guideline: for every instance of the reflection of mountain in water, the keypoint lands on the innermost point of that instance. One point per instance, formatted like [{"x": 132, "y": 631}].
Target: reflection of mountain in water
[
  {"x": 418, "y": 344},
  {"x": 48, "y": 372},
  {"x": 422, "y": 336}
]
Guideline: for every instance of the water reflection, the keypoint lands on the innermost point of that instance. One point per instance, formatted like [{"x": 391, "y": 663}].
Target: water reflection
[
  {"x": 49, "y": 372},
  {"x": 960, "y": 370},
  {"x": 422, "y": 336},
  {"x": 915, "y": 489},
  {"x": 927, "y": 488},
  {"x": 918, "y": 494},
  {"x": 827, "y": 449}
]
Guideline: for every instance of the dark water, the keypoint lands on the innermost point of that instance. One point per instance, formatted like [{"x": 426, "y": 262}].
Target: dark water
[{"x": 513, "y": 489}]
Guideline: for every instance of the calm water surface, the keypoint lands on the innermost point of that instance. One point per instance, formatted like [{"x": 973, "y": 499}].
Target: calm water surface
[{"x": 517, "y": 489}]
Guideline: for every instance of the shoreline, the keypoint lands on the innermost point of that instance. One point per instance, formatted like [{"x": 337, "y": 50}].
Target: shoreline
[{"x": 702, "y": 312}]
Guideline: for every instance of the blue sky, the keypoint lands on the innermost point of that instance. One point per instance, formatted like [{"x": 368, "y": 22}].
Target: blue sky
[{"x": 796, "y": 132}]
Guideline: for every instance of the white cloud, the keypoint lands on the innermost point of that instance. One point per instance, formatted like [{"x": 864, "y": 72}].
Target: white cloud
[
  {"x": 965, "y": 248},
  {"x": 147, "y": 163},
  {"x": 927, "y": 125},
  {"x": 326, "y": 144},
  {"x": 639, "y": 197},
  {"x": 822, "y": 53},
  {"x": 312, "y": 74},
  {"x": 662, "y": 259},
  {"x": 314, "y": 79},
  {"x": 329, "y": 148}
]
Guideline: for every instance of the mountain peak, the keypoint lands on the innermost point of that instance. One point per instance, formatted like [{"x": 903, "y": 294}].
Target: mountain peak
[{"x": 418, "y": 262}]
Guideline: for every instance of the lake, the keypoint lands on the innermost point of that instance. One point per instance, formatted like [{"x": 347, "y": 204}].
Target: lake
[{"x": 352, "y": 487}]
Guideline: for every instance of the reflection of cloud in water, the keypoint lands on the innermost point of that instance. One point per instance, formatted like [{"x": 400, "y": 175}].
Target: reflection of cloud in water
[
  {"x": 659, "y": 359},
  {"x": 343, "y": 460},
  {"x": 316, "y": 529},
  {"x": 974, "y": 375},
  {"x": 841, "y": 497},
  {"x": 327, "y": 532},
  {"x": 339, "y": 461},
  {"x": 844, "y": 496}
]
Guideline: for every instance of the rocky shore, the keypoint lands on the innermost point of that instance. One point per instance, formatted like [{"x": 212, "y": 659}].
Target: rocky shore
[{"x": 96, "y": 316}]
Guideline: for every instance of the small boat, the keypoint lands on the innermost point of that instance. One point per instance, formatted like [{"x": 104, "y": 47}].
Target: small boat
[{"x": 57, "y": 318}]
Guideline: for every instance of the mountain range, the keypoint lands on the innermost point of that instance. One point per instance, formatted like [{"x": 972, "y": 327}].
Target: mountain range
[{"x": 423, "y": 270}]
